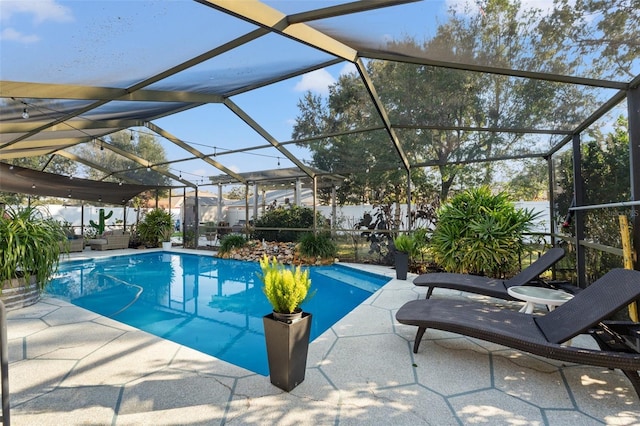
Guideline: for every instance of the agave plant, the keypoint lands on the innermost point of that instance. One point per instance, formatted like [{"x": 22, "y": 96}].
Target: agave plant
[{"x": 30, "y": 245}]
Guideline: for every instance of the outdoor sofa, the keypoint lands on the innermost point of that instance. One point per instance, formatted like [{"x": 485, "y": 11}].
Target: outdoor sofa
[
  {"x": 489, "y": 286},
  {"x": 542, "y": 335},
  {"x": 72, "y": 244},
  {"x": 110, "y": 240}
]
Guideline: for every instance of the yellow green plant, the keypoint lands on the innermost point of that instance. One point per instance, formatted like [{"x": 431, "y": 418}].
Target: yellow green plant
[{"x": 286, "y": 289}]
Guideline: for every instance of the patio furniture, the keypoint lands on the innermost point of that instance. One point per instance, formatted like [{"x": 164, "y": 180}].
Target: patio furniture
[
  {"x": 535, "y": 334},
  {"x": 489, "y": 286},
  {"x": 110, "y": 240},
  {"x": 74, "y": 245},
  {"x": 540, "y": 295}
]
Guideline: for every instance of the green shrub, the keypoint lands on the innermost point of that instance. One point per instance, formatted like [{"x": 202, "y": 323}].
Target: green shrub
[
  {"x": 231, "y": 241},
  {"x": 281, "y": 218},
  {"x": 480, "y": 233},
  {"x": 318, "y": 245},
  {"x": 421, "y": 239}
]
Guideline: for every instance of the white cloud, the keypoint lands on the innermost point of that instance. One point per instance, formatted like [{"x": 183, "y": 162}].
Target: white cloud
[
  {"x": 348, "y": 68},
  {"x": 9, "y": 34},
  {"x": 42, "y": 10},
  {"x": 317, "y": 81}
]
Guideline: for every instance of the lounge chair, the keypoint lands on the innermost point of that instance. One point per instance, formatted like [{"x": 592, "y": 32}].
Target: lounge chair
[
  {"x": 489, "y": 286},
  {"x": 535, "y": 334}
]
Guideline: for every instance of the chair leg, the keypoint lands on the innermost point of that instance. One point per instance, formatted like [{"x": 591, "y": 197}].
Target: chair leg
[
  {"x": 419, "y": 335},
  {"x": 429, "y": 292}
]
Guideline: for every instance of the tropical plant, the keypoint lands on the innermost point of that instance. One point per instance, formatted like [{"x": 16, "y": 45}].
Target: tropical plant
[
  {"x": 156, "y": 227},
  {"x": 30, "y": 245},
  {"x": 190, "y": 239},
  {"x": 230, "y": 242},
  {"x": 286, "y": 289},
  {"x": 421, "y": 239},
  {"x": 480, "y": 233},
  {"x": 318, "y": 245},
  {"x": 375, "y": 229}
]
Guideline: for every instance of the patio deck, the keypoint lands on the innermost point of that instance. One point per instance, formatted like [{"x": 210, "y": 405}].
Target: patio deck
[{"x": 70, "y": 366}]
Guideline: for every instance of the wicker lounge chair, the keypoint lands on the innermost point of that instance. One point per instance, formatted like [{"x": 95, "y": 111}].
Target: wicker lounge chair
[
  {"x": 535, "y": 334},
  {"x": 489, "y": 286}
]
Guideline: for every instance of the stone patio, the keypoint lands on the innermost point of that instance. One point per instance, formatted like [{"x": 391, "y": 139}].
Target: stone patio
[{"x": 70, "y": 367}]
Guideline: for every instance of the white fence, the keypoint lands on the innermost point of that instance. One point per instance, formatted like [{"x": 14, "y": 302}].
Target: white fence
[{"x": 346, "y": 216}]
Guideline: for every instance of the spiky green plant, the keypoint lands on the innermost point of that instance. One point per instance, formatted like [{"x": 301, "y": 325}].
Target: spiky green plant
[
  {"x": 286, "y": 289},
  {"x": 30, "y": 245},
  {"x": 231, "y": 241},
  {"x": 318, "y": 245},
  {"x": 480, "y": 233}
]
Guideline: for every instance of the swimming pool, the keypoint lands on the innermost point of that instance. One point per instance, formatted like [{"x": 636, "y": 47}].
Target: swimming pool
[{"x": 209, "y": 304}]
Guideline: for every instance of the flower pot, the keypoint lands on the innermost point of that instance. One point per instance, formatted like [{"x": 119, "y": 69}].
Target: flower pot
[
  {"x": 16, "y": 293},
  {"x": 287, "y": 347},
  {"x": 402, "y": 265},
  {"x": 166, "y": 245},
  {"x": 288, "y": 318}
]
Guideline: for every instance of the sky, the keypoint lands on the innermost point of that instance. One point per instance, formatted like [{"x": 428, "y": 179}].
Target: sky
[
  {"x": 29, "y": 27},
  {"x": 91, "y": 42}
]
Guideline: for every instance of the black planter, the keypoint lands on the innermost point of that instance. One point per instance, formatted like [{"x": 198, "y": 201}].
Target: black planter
[
  {"x": 402, "y": 265},
  {"x": 287, "y": 347}
]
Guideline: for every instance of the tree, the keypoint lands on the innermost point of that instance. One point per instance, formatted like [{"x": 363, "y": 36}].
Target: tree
[
  {"x": 605, "y": 172},
  {"x": 418, "y": 98},
  {"x": 605, "y": 168},
  {"x": 610, "y": 47},
  {"x": 531, "y": 183},
  {"x": 238, "y": 192},
  {"x": 145, "y": 146}
]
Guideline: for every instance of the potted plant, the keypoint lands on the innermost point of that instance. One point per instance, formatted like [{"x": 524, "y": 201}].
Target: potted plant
[
  {"x": 404, "y": 247},
  {"x": 287, "y": 328},
  {"x": 30, "y": 247},
  {"x": 156, "y": 228}
]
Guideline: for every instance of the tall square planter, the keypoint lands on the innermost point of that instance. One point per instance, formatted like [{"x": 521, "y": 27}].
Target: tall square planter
[
  {"x": 287, "y": 348},
  {"x": 402, "y": 265}
]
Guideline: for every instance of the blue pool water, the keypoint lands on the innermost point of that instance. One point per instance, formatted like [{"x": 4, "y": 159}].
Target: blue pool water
[{"x": 206, "y": 303}]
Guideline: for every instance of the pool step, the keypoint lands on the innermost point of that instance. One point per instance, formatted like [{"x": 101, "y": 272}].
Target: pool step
[{"x": 349, "y": 279}]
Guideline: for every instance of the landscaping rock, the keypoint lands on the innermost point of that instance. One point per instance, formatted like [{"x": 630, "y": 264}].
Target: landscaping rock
[{"x": 285, "y": 253}]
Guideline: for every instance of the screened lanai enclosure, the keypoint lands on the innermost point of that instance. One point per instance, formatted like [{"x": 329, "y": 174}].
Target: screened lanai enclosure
[{"x": 368, "y": 101}]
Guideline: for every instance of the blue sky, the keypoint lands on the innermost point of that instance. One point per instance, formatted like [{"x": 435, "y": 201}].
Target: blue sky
[
  {"x": 80, "y": 40},
  {"x": 38, "y": 33}
]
